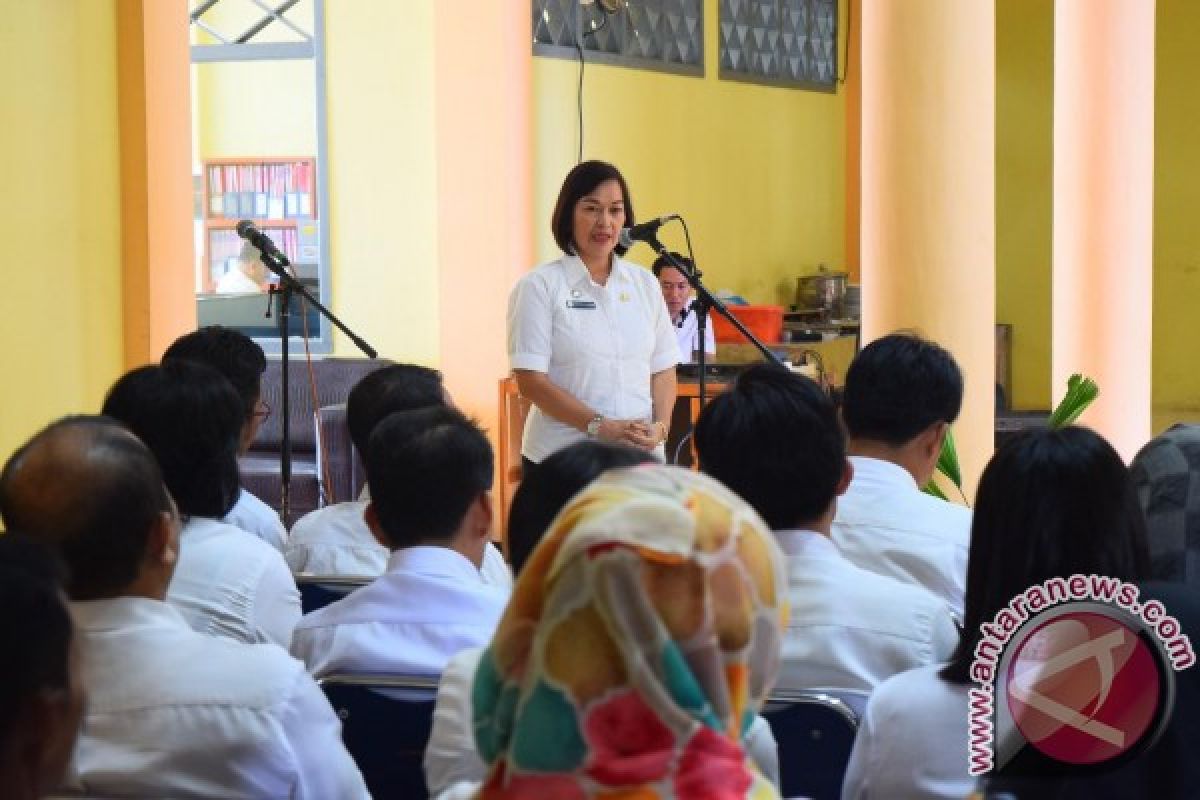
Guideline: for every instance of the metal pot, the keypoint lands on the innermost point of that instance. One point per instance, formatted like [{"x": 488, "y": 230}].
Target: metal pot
[{"x": 825, "y": 291}]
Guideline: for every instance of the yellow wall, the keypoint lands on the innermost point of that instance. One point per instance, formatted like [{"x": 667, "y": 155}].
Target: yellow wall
[
  {"x": 758, "y": 172},
  {"x": 383, "y": 175},
  {"x": 1176, "y": 393},
  {"x": 1024, "y": 164},
  {"x": 255, "y": 108},
  {"x": 61, "y": 309}
]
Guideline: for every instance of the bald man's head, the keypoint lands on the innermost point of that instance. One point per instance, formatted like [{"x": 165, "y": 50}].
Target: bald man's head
[{"x": 91, "y": 489}]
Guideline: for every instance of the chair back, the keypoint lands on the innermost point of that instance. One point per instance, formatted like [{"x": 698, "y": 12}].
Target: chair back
[
  {"x": 318, "y": 591},
  {"x": 386, "y": 722},
  {"x": 814, "y": 730}
]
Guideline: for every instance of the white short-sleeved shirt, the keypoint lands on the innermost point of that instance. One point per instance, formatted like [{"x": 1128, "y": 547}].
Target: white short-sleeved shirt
[
  {"x": 231, "y": 583},
  {"x": 851, "y": 628},
  {"x": 600, "y": 344},
  {"x": 912, "y": 741},
  {"x": 687, "y": 332},
  {"x": 335, "y": 540},
  {"x": 886, "y": 524},
  {"x": 430, "y": 604},
  {"x": 174, "y": 713},
  {"x": 254, "y": 516}
]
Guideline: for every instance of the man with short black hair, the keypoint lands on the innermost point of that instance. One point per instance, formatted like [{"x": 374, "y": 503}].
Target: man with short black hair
[
  {"x": 902, "y": 393},
  {"x": 774, "y": 438},
  {"x": 236, "y": 356},
  {"x": 171, "y": 712},
  {"x": 335, "y": 540},
  {"x": 430, "y": 474}
]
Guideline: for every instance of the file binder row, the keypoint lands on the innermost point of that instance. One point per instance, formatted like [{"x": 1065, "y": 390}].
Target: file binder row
[{"x": 270, "y": 190}]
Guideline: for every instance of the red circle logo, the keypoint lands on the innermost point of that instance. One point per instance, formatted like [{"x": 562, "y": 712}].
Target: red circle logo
[{"x": 1083, "y": 688}]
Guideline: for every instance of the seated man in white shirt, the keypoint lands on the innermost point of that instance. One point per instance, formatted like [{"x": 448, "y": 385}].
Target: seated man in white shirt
[
  {"x": 430, "y": 475},
  {"x": 335, "y": 540},
  {"x": 677, "y": 293},
  {"x": 170, "y": 712},
  {"x": 228, "y": 582},
  {"x": 774, "y": 438},
  {"x": 901, "y": 395},
  {"x": 236, "y": 356}
]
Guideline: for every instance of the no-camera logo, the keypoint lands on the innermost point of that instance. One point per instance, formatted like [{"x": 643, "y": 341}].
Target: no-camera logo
[
  {"x": 1084, "y": 687},
  {"x": 1083, "y": 683}
]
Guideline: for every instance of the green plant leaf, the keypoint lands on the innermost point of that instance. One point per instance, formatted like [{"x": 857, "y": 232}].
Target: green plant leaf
[
  {"x": 947, "y": 462},
  {"x": 931, "y": 488},
  {"x": 1081, "y": 393}
]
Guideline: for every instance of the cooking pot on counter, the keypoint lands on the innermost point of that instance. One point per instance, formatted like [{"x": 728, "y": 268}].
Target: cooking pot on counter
[{"x": 825, "y": 291}]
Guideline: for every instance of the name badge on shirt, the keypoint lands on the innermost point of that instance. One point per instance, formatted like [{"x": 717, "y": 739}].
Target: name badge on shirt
[{"x": 588, "y": 304}]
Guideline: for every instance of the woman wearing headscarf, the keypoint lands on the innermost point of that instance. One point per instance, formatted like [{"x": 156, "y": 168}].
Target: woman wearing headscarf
[{"x": 641, "y": 639}]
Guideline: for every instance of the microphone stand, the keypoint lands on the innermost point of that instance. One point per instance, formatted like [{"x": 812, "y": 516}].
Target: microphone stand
[
  {"x": 705, "y": 300},
  {"x": 278, "y": 263}
]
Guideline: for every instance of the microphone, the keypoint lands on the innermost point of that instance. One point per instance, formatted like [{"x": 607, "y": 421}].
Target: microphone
[
  {"x": 254, "y": 236},
  {"x": 643, "y": 231}
]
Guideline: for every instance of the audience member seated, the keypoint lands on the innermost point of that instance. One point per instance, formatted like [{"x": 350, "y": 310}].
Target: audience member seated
[
  {"x": 228, "y": 582},
  {"x": 1163, "y": 472},
  {"x": 41, "y": 693},
  {"x": 241, "y": 361},
  {"x": 1050, "y": 504},
  {"x": 170, "y": 712},
  {"x": 901, "y": 395},
  {"x": 430, "y": 475},
  {"x": 774, "y": 438},
  {"x": 451, "y": 756},
  {"x": 335, "y": 540},
  {"x": 642, "y": 637}
]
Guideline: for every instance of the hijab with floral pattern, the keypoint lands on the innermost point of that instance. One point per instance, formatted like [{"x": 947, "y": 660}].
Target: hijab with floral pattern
[{"x": 641, "y": 639}]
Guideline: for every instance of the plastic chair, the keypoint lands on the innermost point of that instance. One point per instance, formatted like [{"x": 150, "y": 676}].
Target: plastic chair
[
  {"x": 386, "y": 721},
  {"x": 318, "y": 591},
  {"x": 815, "y": 731}
]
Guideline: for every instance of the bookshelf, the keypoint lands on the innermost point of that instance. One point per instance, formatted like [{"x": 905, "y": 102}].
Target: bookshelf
[{"x": 279, "y": 194}]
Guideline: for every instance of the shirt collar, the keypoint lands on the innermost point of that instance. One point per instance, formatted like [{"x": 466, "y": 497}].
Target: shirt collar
[
  {"x": 433, "y": 560},
  {"x": 808, "y": 544},
  {"x": 577, "y": 272},
  {"x": 880, "y": 472},
  {"x": 119, "y": 613}
]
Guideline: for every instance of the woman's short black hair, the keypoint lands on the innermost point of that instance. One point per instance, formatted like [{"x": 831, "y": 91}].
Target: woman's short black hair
[
  {"x": 582, "y": 179},
  {"x": 35, "y": 623},
  {"x": 1051, "y": 503},
  {"x": 191, "y": 418},
  {"x": 561, "y": 476}
]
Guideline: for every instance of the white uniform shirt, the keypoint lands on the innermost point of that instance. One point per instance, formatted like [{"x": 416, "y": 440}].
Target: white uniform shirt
[
  {"x": 254, "y": 516},
  {"x": 173, "y": 713},
  {"x": 231, "y": 583},
  {"x": 912, "y": 741},
  {"x": 600, "y": 344},
  {"x": 236, "y": 282},
  {"x": 850, "y": 628},
  {"x": 886, "y": 524},
  {"x": 451, "y": 756},
  {"x": 687, "y": 332},
  {"x": 429, "y": 605},
  {"x": 335, "y": 540}
]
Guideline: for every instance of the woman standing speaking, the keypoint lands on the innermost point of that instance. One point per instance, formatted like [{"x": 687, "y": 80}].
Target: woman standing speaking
[{"x": 589, "y": 338}]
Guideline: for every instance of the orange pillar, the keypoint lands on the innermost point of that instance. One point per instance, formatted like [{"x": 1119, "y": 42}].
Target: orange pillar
[
  {"x": 484, "y": 66},
  {"x": 928, "y": 189},
  {"x": 1103, "y": 209},
  {"x": 156, "y": 176}
]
